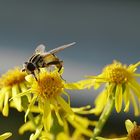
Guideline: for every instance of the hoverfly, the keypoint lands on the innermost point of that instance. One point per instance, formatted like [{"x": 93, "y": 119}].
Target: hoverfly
[{"x": 41, "y": 59}]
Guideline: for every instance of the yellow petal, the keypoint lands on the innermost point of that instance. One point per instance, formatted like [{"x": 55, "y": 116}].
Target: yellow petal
[
  {"x": 137, "y": 74},
  {"x": 83, "y": 84},
  {"x": 47, "y": 120},
  {"x": 37, "y": 133},
  {"x": 66, "y": 127},
  {"x": 129, "y": 125},
  {"x": 133, "y": 67},
  {"x": 56, "y": 109},
  {"x": 35, "y": 109},
  {"x": 30, "y": 125},
  {"x": 2, "y": 96},
  {"x": 64, "y": 105},
  {"x": 26, "y": 127},
  {"x": 24, "y": 88},
  {"x": 81, "y": 129},
  {"x": 72, "y": 86},
  {"x": 82, "y": 110},
  {"x": 58, "y": 117},
  {"x": 21, "y": 94},
  {"x": 29, "y": 78},
  {"x": 100, "y": 103},
  {"x": 17, "y": 101},
  {"x": 110, "y": 89},
  {"x": 126, "y": 98},
  {"x": 118, "y": 98},
  {"x": 67, "y": 96},
  {"x": 5, "y": 110},
  {"x": 134, "y": 102},
  {"x": 135, "y": 87},
  {"x": 5, "y": 135},
  {"x": 30, "y": 106},
  {"x": 62, "y": 136},
  {"x": 83, "y": 121},
  {"x": 4, "y": 91},
  {"x": 77, "y": 135},
  {"x": 96, "y": 81}
]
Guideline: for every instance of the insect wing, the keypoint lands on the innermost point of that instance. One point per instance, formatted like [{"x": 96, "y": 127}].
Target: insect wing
[
  {"x": 40, "y": 49},
  {"x": 60, "y": 48}
]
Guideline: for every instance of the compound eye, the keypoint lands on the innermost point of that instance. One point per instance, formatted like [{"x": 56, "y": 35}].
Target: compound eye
[{"x": 30, "y": 67}]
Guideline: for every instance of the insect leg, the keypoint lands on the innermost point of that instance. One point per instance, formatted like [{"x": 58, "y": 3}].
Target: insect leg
[{"x": 33, "y": 73}]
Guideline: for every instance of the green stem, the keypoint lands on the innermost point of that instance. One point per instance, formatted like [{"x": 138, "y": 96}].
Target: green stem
[{"x": 103, "y": 118}]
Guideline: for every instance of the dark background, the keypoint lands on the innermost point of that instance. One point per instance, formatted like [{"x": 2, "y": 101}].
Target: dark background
[{"x": 103, "y": 31}]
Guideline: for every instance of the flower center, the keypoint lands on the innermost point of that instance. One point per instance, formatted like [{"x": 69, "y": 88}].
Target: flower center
[
  {"x": 117, "y": 73},
  {"x": 12, "y": 77},
  {"x": 48, "y": 85},
  {"x": 134, "y": 133}
]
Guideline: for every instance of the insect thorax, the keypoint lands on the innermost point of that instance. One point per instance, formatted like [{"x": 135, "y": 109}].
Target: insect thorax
[{"x": 37, "y": 60}]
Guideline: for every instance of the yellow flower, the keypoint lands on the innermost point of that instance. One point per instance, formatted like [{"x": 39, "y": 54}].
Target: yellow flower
[
  {"x": 120, "y": 82},
  {"x": 39, "y": 133},
  {"x": 47, "y": 91},
  {"x": 81, "y": 125},
  {"x": 133, "y": 131},
  {"x": 11, "y": 83},
  {"x": 37, "y": 127}
]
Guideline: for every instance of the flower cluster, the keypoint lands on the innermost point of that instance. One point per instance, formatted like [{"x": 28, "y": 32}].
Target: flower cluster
[
  {"x": 44, "y": 97},
  {"x": 133, "y": 131},
  {"x": 120, "y": 82},
  {"x": 12, "y": 83}
]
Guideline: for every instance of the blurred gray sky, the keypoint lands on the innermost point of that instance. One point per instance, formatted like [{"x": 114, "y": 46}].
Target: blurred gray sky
[{"x": 103, "y": 31}]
